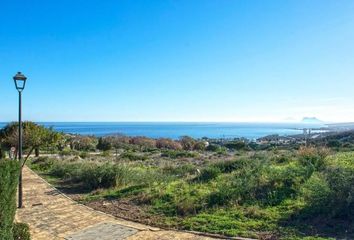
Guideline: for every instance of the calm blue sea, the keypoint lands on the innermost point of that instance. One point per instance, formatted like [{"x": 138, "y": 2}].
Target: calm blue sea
[{"x": 175, "y": 130}]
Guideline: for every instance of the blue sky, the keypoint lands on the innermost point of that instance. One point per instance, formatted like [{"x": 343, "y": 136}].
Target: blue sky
[{"x": 178, "y": 60}]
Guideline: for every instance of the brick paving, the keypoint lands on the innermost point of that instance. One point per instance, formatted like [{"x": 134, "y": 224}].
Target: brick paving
[
  {"x": 52, "y": 215},
  {"x": 104, "y": 231}
]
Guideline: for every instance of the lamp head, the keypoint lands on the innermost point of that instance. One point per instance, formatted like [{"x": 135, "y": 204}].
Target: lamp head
[{"x": 20, "y": 81}]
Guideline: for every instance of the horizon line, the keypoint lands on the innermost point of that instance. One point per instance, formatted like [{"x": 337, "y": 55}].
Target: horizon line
[{"x": 166, "y": 121}]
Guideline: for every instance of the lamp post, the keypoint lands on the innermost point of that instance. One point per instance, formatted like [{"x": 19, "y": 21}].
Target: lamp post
[{"x": 20, "y": 82}]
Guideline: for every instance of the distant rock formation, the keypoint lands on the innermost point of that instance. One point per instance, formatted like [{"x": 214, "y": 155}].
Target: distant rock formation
[{"x": 311, "y": 120}]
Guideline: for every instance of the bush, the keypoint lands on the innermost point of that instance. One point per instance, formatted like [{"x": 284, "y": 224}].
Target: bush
[
  {"x": 168, "y": 144},
  {"x": 180, "y": 171},
  {"x": 334, "y": 144},
  {"x": 341, "y": 183},
  {"x": 330, "y": 192},
  {"x": 200, "y": 146},
  {"x": 133, "y": 156},
  {"x": 9, "y": 173},
  {"x": 84, "y": 154},
  {"x": 237, "y": 145},
  {"x": 179, "y": 198},
  {"x": 316, "y": 192},
  {"x": 42, "y": 163},
  {"x": 143, "y": 142},
  {"x": 217, "y": 149},
  {"x": 255, "y": 181},
  {"x": 21, "y": 231},
  {"x": 103, "y": 144},
  {"x": 103, "y": 176},
  {"x": 313, "y": 157},
  {"x": 208, "y": 174},
  {"x": 67, "y": 171},
  {"x": 228, "y": 166},
  {"x": 105, "y": 153},
  {"x": 68, "y": 152},
  {"x": 178, "y": 154},
  {"x": 213, "y": 148},
  {"x": 187, "y": 143},
  {"x": 83, "y": 143},
  {"x": 2, "y": 153}
]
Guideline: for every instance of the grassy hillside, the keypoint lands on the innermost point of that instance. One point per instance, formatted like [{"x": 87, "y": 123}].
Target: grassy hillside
[{"x": 305, "y": 193}]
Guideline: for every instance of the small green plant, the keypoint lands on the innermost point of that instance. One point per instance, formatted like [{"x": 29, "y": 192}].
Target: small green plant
[
  {"x": 106, "y": 153},
  {"x": 208, "y": 174},
  {"x": 228, "y": 166},
  {"x": 84, "y": 155},
  {"x": 213, "y": 148},
  {"x": 21, "y": 231}
]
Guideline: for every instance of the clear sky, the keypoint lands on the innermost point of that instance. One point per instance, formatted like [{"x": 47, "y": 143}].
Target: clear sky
[{"x": 178, "y": 60}]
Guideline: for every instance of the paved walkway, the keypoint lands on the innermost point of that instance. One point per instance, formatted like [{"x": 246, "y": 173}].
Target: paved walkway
[{"x": 51, "y": 215}]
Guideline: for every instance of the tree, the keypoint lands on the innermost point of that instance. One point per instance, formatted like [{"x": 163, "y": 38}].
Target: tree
[
  {"x": 118, "y": 142},
  {"x": 115, "y": 142},
  {"x": 83, "y": 143},
  {"x": 34, "y": 137},
  {"x": 104, "y": 144}
]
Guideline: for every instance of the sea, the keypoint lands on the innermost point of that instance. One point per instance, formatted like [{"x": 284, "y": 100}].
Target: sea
[{"x": 176, "y": 130}]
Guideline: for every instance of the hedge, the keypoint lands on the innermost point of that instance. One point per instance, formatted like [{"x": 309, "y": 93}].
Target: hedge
[
  {"x": 9, "y": 173},
  {"x": 21, "y": 231}
]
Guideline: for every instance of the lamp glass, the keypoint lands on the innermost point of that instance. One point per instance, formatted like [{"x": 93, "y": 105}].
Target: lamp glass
[
  {"x": 20, "y": 84},
  {"x": 20, "y": 81}
]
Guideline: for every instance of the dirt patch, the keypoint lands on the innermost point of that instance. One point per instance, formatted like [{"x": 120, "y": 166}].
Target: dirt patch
[{"x": 127, "y": 210}]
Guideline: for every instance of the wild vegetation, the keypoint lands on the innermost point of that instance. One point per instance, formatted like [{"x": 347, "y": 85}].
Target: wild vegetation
[{"x": 229, "y": 187}]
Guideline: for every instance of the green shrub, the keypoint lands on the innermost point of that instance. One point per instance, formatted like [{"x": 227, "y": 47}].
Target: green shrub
[
  {"x": 106, "y": 153},
  {"x": 42, "y": 164},
  {"x": 313, "y": 157},
  {"x": 317, "y": 193},
  {"x": 228, "y": 166},
  {"x": 104, "y": 176},
  {"x": 179, "y": 198},
  {"x": 236, "y": 145},
  {"x": 9, "y": 173},
  {"x": 208, "y": 174},
  {"x": 178, "y": 154},
  {"x": 334, "y": 144},
  {"x": 104, "y": 144},
  {"x": 199, "y": 146},
  {"x": 220, "y": 197},
  {"x": 68, "y": 152},
  {"x": 179, "y": 171},
  {"x": 21, "y": 231},
  {"x": 341, "y": 183},
  {"x": 213, "y": 148},
  {"x": 133, "y": 156},
  {"x": 221, "y": 151},
  {"x": 255, "y": 181},
  {"x": 84, "y": 155},
  {"x": 2, "y": 153}
]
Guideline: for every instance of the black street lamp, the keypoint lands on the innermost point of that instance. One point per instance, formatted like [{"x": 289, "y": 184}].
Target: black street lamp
[{"x": 20, "y": 83}]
